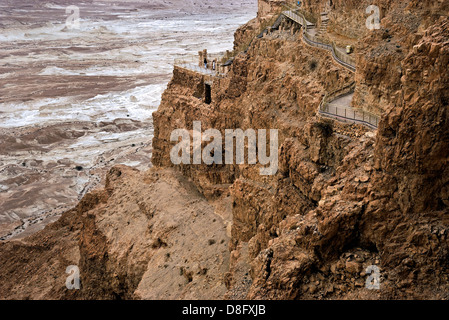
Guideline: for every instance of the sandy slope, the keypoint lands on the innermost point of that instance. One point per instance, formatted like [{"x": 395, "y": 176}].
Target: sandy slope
[{"x": 84, "y": 98}]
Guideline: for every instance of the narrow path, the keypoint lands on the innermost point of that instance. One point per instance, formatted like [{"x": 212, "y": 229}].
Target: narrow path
[
  {"x": 311, "y": 37},
  {"x": 343, "y": 102},
  {"x": 198, "y": 69},
  {"x": 337, "y": 104},
  {"x": 338, "y": 107}
]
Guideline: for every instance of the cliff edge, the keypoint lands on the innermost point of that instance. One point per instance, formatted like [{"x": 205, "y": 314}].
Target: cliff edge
[{"x": 346, "y": 198}]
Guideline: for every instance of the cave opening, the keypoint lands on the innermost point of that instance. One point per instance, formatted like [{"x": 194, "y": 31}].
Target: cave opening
[{"x": 207, "y": 94}]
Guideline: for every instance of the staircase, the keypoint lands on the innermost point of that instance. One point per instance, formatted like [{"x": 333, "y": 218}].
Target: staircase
[
  {"x": 298, "y": 19},
  {"x": 335, "y": 105},
  {"x": 322, "y": 31}
]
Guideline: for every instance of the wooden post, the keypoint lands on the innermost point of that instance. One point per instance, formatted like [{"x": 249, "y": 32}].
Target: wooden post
[{"x": 200, "y": 60}]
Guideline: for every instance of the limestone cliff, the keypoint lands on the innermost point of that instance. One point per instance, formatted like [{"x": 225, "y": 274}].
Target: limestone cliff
[{"x": 345, "y": 197}]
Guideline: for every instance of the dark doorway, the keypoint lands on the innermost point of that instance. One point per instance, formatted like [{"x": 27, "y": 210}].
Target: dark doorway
[{"x": 207, "y": 94}]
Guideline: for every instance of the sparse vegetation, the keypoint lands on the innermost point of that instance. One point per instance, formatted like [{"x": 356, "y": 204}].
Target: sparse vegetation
[{"x": 313, "y": 64}]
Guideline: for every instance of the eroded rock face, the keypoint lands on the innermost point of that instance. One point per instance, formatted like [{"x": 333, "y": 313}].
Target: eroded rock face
[
  {"x": 344, "y": 199},
  {"x": 411, "y": 158},
  {"x": 145, "y": 236},
  {"x": 271, "y": 88}
]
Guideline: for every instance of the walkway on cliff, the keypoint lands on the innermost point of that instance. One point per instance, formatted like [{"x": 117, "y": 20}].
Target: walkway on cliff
[
  {"x": 198, "y": 69},
  {"x": 194, "y": 64},
  {"x": 312, "y": 38},
  {"x": 337, "y": 104},
  {"x": 340, "y": 109}
]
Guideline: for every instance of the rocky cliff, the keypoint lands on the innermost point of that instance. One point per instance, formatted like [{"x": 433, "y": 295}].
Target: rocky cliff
[{"x": 344, "y": 198}]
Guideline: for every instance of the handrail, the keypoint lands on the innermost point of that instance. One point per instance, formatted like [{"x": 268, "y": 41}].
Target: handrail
[
  {"x": 345, "y": 61},
  {"x": 293, "y": 13},
  {"x": 298, "y": 17},
  {"x": 198, "y": 69},
  {"x": 192, "y": 63},
  {"x": 311, "y": 40},
  {"x": 349, "y": 61},
  {"x": 297, "y": 10},
  {"x": 355, "y": 115},
  {"x": 359, "y": 116},
  {"x": 338, "y": 93},
  {"x": 295, "y": 17}
]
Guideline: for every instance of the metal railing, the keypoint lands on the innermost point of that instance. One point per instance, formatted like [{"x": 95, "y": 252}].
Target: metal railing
[
  {"x": 192, "y": 63},
  {"x": 334, "y": 111},
  {"x": 343, "y": 59},
  {"x": 312, "y": 40},
  {"x": 338, "y": 112},
  {"x": 357, "y": 116},
  {"x": 295, "y": 17},
  {"x": 303, "y": 14},
  {"x": 343, "y": 113},
  {"x": 338, "y": 93},
  {"x": 315, "y": 42}
]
